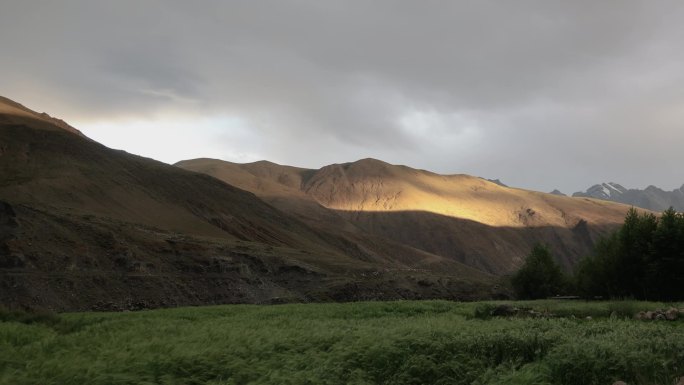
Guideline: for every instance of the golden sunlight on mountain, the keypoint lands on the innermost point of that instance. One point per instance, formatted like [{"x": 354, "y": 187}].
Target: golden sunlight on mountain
[
  {"x": 458, "y": 217},
  {"x": 370, "y": 185},
  {"x": 379, "y": 187}
]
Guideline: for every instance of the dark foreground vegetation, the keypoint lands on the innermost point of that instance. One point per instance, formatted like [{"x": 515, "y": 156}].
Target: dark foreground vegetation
[
  {"x": 644, "y": 259},
  {"x": 435, "y": 342}
]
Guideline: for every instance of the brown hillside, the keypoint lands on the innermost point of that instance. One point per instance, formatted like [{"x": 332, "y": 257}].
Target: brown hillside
[
  {"x": 13, "y": 112},
  {"x": 460, "y": 217},
  {"x": 83, "y": 226}
]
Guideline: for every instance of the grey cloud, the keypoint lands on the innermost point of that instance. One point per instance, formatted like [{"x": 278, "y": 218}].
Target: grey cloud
[{"x": 542, "y": 94}]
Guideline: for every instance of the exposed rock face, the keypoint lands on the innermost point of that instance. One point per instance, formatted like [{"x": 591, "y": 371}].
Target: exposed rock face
[{"x": 651, "y": 198}]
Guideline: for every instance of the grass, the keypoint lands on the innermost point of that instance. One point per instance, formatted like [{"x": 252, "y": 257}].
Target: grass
[{"x": 430, "y": 342}]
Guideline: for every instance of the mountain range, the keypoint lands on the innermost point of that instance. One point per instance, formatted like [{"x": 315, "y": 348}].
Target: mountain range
[
  {"x": 651, "y": 198},
  {"x": 476, "y": 222},
  {"x": 86, "y": 227}
]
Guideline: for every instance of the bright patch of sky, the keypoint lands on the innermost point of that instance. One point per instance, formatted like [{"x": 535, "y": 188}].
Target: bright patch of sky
[{"x": 175, "y": 139}]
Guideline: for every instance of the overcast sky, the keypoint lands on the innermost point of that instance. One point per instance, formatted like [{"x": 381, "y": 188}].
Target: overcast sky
[{"x": 541, "y": 94}]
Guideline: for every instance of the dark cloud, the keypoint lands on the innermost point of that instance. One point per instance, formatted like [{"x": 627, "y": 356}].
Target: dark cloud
[{"x": 542, "y": 94}]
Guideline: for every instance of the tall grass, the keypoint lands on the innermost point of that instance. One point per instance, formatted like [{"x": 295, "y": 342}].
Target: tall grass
[{"x": 434, "y": 342}]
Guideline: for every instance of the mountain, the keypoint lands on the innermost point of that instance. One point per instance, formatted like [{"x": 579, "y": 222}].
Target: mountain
[
  {"x": 651, "y": 198},
  {"x": 557, "y": 192},
  {"x": 86, "y": 227},
  {"x": 497, "y": 181},
  {"x": 459, "y": 217},
  {"x": 605, "y": 191},
  {"x": 12, "y": 112}
]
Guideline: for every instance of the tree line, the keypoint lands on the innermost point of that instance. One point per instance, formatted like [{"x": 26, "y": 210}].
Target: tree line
[{"x": 644, "y": 259}]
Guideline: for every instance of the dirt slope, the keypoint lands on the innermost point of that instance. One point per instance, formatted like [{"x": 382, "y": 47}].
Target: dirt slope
[
  {"x": 460, "y": 217},
  {"x": 83, "y": 226}
]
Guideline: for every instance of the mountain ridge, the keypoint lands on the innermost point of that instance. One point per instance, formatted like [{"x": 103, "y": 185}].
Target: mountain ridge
[
  {"x": 85, "y": 227},
  {"x": 385, "y": 200},
  {"x": 650, "y": 198},
  {"x": 13, "y": 112}
]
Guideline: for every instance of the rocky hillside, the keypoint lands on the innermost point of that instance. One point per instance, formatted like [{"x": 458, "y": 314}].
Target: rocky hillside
[
  {"x": 651, "y": 198},
  {"x": 467, "y": 219},
  {"x": 83, "y": 227}
]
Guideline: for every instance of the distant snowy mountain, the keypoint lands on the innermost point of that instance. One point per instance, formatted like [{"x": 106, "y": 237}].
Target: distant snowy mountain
[
  {"x": 606, "y": 191},
  {"x": 652, "y": 198}
]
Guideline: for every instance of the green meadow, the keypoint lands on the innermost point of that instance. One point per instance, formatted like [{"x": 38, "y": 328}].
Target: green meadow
[{"x": 424, "y": 342}]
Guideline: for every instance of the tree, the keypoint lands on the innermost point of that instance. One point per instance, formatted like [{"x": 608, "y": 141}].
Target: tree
[
  {"x": 644, "y": 259},
  {"x": 634, "y": 243},
  {"x": 664, "y": 274},
  {"x": 540, "y": 276},
  {"x": 596, "y": 274}
]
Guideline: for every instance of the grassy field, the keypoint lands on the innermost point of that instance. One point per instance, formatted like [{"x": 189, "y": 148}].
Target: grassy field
[{"x": 432, "y": 342}]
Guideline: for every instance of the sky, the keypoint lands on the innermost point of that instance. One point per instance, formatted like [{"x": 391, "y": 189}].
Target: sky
[{"x": 540, "y": 94}]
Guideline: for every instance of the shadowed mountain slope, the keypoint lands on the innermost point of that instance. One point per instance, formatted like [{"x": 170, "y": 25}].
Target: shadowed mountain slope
[
  {"x": 83, "y": 226},
  {"x": 467, "y": 219}
]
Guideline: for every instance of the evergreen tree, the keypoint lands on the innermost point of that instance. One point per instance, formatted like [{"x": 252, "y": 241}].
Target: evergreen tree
[
  {"x": 665, "y": 261},
  {"x": 540, "y": 276},
  {"x": 634, "y": 240},
  {"x": 596, "y": 275},
  {"x": 644, "y": 259}
]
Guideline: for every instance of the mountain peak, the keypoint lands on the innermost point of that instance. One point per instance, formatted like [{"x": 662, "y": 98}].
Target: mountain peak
[
  {"x": 13, "y": 112},
  {"x": 366, "y": 166},
  {"x": 497, "y": 181},
  {"x": 652, "y": 197},
  {"x": 604, "y": 191},
  {"x": 368, "y": 162}
]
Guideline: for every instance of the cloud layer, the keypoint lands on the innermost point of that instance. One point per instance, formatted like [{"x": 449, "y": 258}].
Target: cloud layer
[{"x": 542, "y": 94}]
